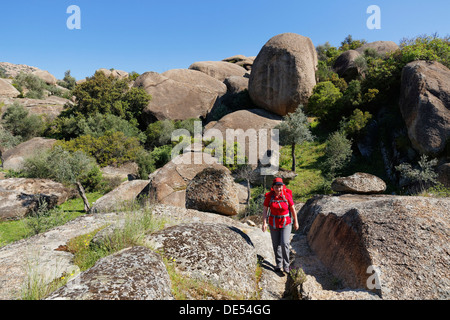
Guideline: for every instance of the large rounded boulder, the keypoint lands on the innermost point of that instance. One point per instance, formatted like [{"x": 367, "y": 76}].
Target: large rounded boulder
[
  {"x": 425, "y": 105},
  {"x": 283, "y": 73},
  {"x": 213, "y": 190}
]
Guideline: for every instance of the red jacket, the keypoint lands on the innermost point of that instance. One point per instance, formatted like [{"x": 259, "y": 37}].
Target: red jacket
[{"x": 279, "y": 207}]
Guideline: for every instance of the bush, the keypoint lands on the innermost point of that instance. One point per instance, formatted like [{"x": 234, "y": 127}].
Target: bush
[
  {"x": 350, "y": 44},
  {"x": 338, "y": 153},
  {"x": 159, "y": 133},
  {"x": 32, "y": 83},
  {"x": 8, "y": 140},
  {"x": 323, "y": 99},
  {"x": 73, "y": 126},
  {"x": 65, "y": 167},
  {"x": 424, "y": 176},
  {"x": 146, "y": 163},
  {"x": 20, "y": 123},
  {"x": 161, "y": 155},
  {"x": 113, "y": 148},
  {"x": 68, "y": 81},
  {"x": 356, "y": 123},
  {"x": 102, "y": 94}
]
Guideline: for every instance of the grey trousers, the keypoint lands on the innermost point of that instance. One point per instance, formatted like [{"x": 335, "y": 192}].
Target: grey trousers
[{"x": 281, "y": 245}]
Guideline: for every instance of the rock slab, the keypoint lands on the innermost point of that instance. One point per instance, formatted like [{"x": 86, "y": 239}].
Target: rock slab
[
  {"x": 135, "y": 273},
  {"x": 395, "y": 246}
]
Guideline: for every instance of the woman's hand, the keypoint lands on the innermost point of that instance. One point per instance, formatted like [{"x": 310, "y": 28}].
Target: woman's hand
[{"x": 264, "y": 226}]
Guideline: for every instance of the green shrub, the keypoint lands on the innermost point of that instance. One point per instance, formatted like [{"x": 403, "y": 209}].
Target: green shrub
[
  {"x": 8, "y": 140},
  {"x": 102, "y": 94},
  {"x": 356, "y": 123},
  {"x": 65, "y": 167},
  {"x": 113, "y": 148},
  {"x": 73, "y": 126},
  {"x": 32, "y": 83},
  {"x": 159, "y": 133},
  {"x": 68, "y": 81},
  {"x": 20, "y": 123},
  {"x": 145, "y": 162},
  {"x": 350, "y": 44},
  {"x": 424, "y": 175},
  {"x": 161, "y": 155},
  {"x": 338, "y": 153},
  {"x": 323, "y": 99}
]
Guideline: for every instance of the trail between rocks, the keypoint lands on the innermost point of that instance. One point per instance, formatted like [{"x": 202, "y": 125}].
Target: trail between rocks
[{"x": 37, "y": 255}]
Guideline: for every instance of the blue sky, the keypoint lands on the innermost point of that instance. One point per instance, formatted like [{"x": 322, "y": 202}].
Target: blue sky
[{"x": 138, "y": 35}]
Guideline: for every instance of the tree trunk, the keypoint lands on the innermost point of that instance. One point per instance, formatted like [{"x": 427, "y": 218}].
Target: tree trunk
[
  {"x": 293, "y": 156},
  {"x": 248, "y": 192},
  {"x": 82, "y": 193}
]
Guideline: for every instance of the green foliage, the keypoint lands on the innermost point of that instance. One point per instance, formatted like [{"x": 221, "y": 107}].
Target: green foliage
[
  {"x": 96, "y": 125},
  {"x": 356, "y": 123},
  {"x": 32, "y": 83},
  {"x": 159, "y": 133},
  {"x": 385, "y": 74},
  {"x": 102, "y": 94},
  {"x": 431, "y": 48},
  {"x": 338, "y": 153},
  {"x": 20, "y": 123},
  {"x": 294, "y": 129},
  {"x": 161, "y": 155},
  {"x": 424, "y": 175},
  {"x": 323, "y": 99},
  {"x": 64, "y": 166},
  {"x": 145, "y": 162},
  {"x": 68, "y": 81},
  {"x": 113, "y": 148},
  {"x": 8, "y": 140},
  {"x": 327, "y": 53},
  {"x": 3, "y": 73},
  {"x": 350, "y": 44}
]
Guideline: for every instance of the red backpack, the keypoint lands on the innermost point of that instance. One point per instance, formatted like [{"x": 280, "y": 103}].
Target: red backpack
[{"x": 271, "y": 194}]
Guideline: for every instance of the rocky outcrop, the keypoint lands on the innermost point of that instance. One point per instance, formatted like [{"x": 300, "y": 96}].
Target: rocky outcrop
[
  {"x": 381, "y": 47},
  {"x": 118, "y": 199},
  {"x": 135, "y": 273},
  {"x": 49, "y": 108},
  {"x": 425, "y": 105},
  {"x": 218, "y": 253},
  {"x": 283, "y": 73},
  {"x": 443, "y": 172},
  {"x": 219, "y": 70},
  {"x": 46, "y": 76},
  {"x": 213, "y": 190},
  {"x": 395, "y": 246},
  {"x": 119, "y": 74},
  {"x": 345, "y": 65},
  {"x": 250, "y": 122},
  {"x": 359, "y": 182},
  {"x": 241, "y": 60},
  {"x": 21, "y": 196},
  {"x": 127, "y": 171},
  {"x": 7, "y": 89},
  {"x": 13, "y": 70},
  {"x": 13, "y": 158},
  {"x": 183, "y": 97},
  {"x": 168, "y": 185}
]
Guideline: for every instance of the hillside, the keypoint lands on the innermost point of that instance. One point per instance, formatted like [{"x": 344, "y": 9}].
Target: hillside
[{"x": 119, "y": 138}]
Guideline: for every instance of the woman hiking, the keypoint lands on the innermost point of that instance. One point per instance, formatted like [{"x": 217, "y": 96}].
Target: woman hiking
[{"x": 280, "y": 206}]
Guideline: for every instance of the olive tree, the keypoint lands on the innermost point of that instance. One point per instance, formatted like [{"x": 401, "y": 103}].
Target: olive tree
[{"x": 294, "y": 129}]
